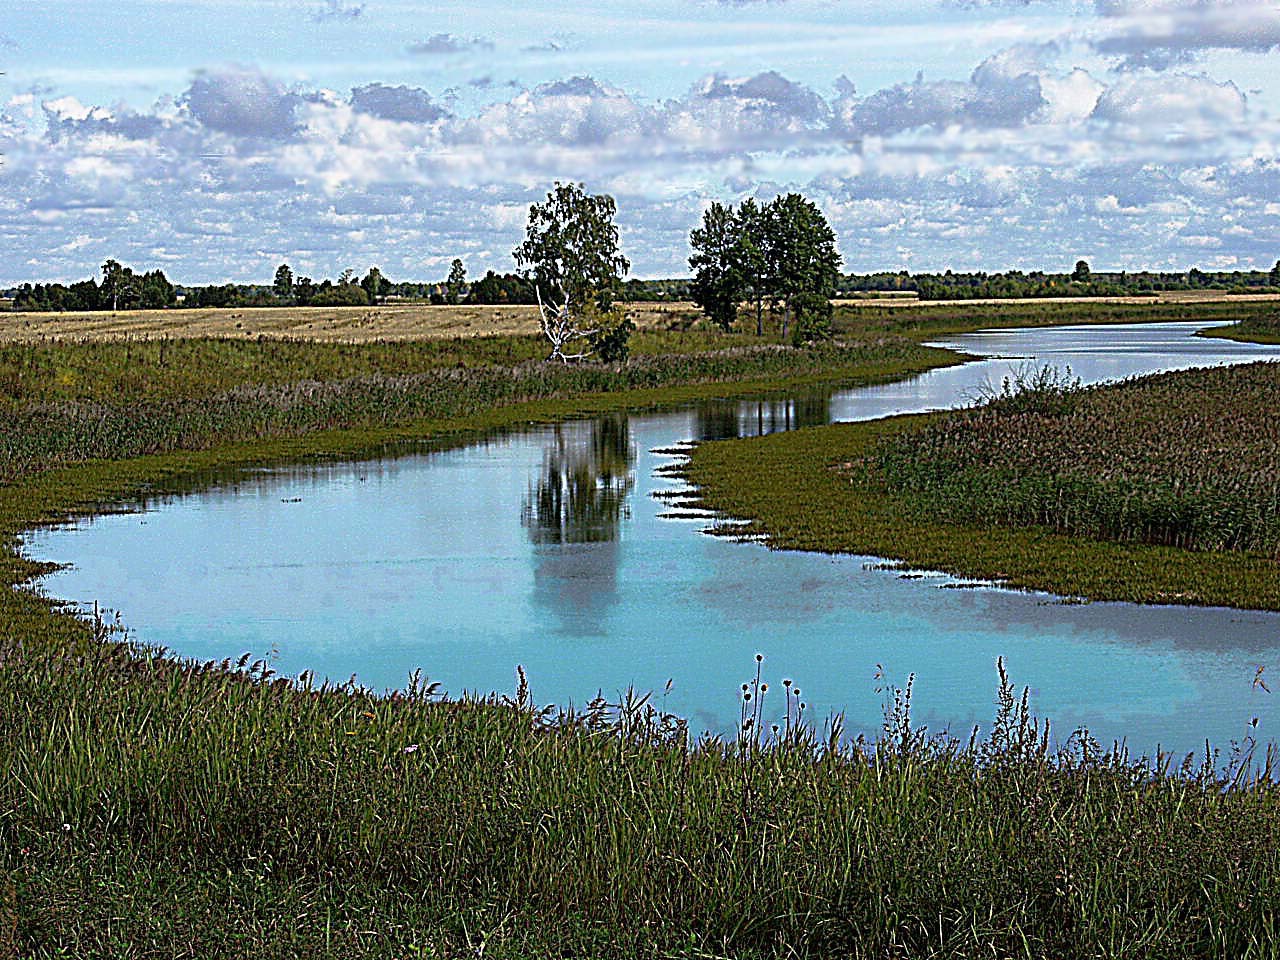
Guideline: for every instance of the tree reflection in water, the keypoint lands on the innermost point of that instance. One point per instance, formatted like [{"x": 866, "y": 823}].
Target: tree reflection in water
[
  {"x": 721, "y": 420},
  {"x": 573, "y": 514}
]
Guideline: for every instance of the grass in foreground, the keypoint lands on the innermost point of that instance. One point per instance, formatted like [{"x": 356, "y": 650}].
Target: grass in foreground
[
  {"x": 956, "y": 489},
  {"x": 154, "y": 809}
]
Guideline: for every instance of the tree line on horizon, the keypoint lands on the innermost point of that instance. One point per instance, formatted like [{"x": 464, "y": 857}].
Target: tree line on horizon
[{"x": 778, "y": 257}]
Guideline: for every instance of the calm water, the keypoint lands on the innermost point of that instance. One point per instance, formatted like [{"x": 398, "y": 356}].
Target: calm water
[{"x": 546, "y": 548}]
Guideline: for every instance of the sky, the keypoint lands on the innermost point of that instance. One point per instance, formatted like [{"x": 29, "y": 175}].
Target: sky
[{"x": 215, "y": 139}]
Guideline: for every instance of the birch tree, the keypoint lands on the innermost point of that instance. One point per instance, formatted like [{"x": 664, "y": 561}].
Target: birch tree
[{"x": 570, "y": 254}]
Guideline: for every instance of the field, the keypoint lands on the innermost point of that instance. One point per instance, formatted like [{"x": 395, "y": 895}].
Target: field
[
  {"x": 153, "y": 808},
  {"x": 404, "y": 322}
]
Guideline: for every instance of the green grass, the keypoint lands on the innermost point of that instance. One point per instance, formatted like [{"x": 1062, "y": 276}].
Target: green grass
[
  {"x": 1188, "y": 459},
  {"x": 1261, "y": 326},
  {"x": 151, "y": 808},
  {"x": 155, "y": 809},
  {"x": 966, "y": 486}
]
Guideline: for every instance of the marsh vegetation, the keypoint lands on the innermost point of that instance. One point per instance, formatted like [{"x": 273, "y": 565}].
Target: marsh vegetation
[{"x": 157, "y": 808}]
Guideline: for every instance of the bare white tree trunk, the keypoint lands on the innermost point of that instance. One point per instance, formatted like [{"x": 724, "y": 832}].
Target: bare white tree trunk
[{"x": 558, "y": 327}]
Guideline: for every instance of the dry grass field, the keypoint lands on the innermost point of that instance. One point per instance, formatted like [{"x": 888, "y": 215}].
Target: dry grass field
[
  {"x": 398, "y": 322},
  {"x": 339, "y": 324}
]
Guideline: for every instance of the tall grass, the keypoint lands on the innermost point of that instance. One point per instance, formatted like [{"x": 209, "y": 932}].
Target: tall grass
[
  {"x": 156, "y": 808},
  {"x": 1188, "y": 459},
  {"x": 36, "y": 435}
]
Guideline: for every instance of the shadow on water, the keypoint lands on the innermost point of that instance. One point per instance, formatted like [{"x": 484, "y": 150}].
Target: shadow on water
[{"x": 573, "y": 514}]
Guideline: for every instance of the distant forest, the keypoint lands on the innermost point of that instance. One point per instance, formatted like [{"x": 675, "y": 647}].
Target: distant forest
[{"x": 121, "y": 288}]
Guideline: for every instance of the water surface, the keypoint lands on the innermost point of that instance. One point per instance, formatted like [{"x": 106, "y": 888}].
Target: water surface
[{"x": 546, "y": 547}]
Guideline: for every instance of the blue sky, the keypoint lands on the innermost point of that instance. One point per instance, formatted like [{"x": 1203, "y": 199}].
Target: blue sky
[{"x": 217, "y": 138}]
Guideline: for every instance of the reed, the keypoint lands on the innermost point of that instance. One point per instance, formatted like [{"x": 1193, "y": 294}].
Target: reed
[
  {"x": 163, "y": 808},
  {"x": 1188, "y": 459}
]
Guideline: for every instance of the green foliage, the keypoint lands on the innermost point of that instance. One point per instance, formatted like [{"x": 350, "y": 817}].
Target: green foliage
[
  {"x": 610, "y": 342},
  {"x": 374, "y": 285},
  {"x": 801, "y": 250},
  {"x": 718, "y": 282},
  {"x": 1081, "y": 272},
  {"x": 813, "y": 313},
  {"x": 343, "y": 295},
  {"x": 283, "y": 284},
  {"x": 493, "y": 289},
  {"x": 570, "y": 250},
  {"x": 456, "y": 285},
  {"x": 781, "y": 251}
]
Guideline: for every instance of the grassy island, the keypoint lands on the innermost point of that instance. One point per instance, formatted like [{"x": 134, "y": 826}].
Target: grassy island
[
  {"x": 1163, "y": 489},
  {"x": 155, "y": 808}
]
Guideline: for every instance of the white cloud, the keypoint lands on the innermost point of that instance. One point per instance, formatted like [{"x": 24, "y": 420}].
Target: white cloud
[
  {"x": 1024, "y": 164},
  {"x": 243, "y": 102}
]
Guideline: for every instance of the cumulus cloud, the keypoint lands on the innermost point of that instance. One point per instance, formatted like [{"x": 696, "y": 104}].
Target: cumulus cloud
[
  {"x": 443, "y": 44},
  {"x": 1161, "y": 33},
  {"x": 1000, "y": 93},
  {"x": 404, "y": 104},
  {"x": 1190, "y": 102},
  {"x": 243, "y": 102},
  {"x": 1012, "y": 166}
]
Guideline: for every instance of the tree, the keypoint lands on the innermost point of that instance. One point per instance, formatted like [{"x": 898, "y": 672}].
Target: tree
[
  {"x": 1275, "y": 275},
  {"x": 570, "y": 253},
  {"x": 800, "y": 250},
  {"x": 457, "y": 282},
  {"x": 304, "y": 290},
  {"x": 813, "y": 318},
  {"x": 283, "y": 285},
  {"x": 753, "y": 263},
  {"x": 1082, "y": 272},
  {"x": 113, "y": 283},
  {"x": 718, "y": 285},
  {"x": 374, "y": 284},
  {"x": 155, "y": 291},
  {"x": 507, "y": 288}
]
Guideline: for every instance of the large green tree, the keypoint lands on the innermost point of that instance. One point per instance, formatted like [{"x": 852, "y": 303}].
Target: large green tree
[
  {"x": 283, "y": 285},
  {"x": 570, "y": 254},
  {"x": 718, "y": 285},
  {"x": 115, "y": 283},
  {"x": 773, "y": 254},
  {"x": 801, "y": 251},
  {"x": 375, "y": 285},
  {"x": 752, "y": 256}
]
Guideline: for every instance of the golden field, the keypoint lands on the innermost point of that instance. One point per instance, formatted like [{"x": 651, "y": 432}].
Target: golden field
[{"x": 415, "y": 321}]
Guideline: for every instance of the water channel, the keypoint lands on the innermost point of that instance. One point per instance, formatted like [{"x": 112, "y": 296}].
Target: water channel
[{"x": 545, "y": 547}]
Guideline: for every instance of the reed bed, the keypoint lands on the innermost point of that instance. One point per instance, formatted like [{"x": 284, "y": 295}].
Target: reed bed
[
  {"x": 1188, "y": 459},
  {"x": 1262, "y": 326},
  {"x": 36, "y": 435},
  {"x": 155, "y": 808}
]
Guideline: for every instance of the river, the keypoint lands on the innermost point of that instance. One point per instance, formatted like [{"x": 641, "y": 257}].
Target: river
[{"x": 546, "y": 547}]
